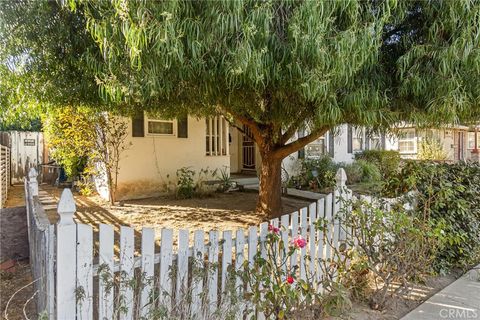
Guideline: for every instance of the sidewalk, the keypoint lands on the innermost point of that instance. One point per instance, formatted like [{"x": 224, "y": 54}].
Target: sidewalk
[{"x": 460, "y": 300}]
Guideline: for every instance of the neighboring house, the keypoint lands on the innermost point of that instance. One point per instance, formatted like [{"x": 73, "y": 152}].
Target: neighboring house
[
  {"x": 340, "y": 144},
  {"x": 457, "y": 142}
]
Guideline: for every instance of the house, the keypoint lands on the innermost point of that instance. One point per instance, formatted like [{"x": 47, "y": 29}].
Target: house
[
  {"x": 157, "y": 148},
  {"x": 455, "y": 143}
]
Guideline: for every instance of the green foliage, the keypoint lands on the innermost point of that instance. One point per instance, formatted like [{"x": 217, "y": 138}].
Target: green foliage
[
  {"x": 46, "y": 59},
  {"x": 319, "y": 174},
  {"x": 291, "y": 57},
  {"x": 226, "y": 182},
  {"x": 185, "y": 183},
  {"x": 449, "y": 195},
  {"x": 315, "y": 174},
  {"x": 275, "y": 288},
  {"x": 388, "y": 161},
  {"x": 192, "y": 184},
  {"x": 361, "y": 171},
  {"x": 394, "y": 247},
  {"x": 431, "y": 149},
  {"x": 20, "y": 124},
  {"x": 70, "y": 134}
]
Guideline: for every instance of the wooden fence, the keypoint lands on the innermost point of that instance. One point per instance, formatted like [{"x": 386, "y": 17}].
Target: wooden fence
[
  {"x": 84, "y": 264},
  {"x": 4, "y": 174},
  {"x": 41, "y": 238}
]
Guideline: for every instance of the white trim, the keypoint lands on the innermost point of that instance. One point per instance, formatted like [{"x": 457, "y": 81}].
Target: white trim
[
  {"x": 148, "y": 119},
  {"x": 217, "y": 136},
  {"x": 404, "y": 139}
]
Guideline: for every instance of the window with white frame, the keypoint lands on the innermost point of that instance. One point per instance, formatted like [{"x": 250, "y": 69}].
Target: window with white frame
[
  {"x": 216, "y": 137},
  {"x": 407, "y": 141},
  {"x": 315, "y": 149},
  {"x": 158, "y": 126},
  {"x": 357, "y": 140}
]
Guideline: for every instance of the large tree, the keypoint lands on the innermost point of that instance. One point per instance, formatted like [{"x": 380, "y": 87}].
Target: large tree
[{"x": 275, "y": 66}]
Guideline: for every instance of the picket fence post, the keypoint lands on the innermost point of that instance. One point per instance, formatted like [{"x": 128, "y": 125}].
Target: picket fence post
[
  {"x": 66, "y": 257},
  {"x": 33, "y": 182}
]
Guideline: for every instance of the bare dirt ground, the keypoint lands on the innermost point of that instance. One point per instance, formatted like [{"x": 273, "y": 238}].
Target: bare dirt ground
[
  {"x": 10, "y": 285},
  {"x": 16, "y": 196},
  {"x": 224, "y": 211},
  {"x": 10, "y": 282}
]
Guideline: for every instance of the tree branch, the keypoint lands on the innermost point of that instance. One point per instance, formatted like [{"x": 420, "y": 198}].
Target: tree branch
[
  {"x": 256, "y": 131},
  {"x": 287, "y": 149}
]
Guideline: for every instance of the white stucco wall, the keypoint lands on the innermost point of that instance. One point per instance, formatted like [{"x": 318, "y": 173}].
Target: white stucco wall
[
  {"x": 341, "y": 153},
  {"x": 148, "y": 167}
]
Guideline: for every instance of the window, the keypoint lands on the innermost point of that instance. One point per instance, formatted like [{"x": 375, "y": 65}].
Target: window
[
  {"x": 315, "y": 149},
  {"x": 357, "y": 140},
  {"x": 407, "y": 141},
  {"x": 216, "y": 143},
  {"x": 156, "y": 126},
  {"x": 375, "y": 143},
  {"x": 471, "y": 140}
]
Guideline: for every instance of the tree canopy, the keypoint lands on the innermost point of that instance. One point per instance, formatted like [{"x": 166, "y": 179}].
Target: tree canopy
[
  {"x": 272, "y": 66},
  {"x": 46, "y": 59}
]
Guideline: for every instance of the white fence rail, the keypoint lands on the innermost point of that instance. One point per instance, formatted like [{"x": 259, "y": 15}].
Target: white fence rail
[
  {"x": 85, "y": 267},
  {"x": 4, "y": 174}
]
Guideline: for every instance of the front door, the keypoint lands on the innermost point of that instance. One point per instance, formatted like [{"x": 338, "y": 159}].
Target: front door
[{"x": 248, "y": 150}]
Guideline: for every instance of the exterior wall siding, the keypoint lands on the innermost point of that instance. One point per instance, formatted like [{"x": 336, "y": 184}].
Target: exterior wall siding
[{"x": 148, "y": 167}]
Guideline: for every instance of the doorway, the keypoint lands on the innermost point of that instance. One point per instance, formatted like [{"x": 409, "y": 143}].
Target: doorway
[{"x": 248, "y": 150}]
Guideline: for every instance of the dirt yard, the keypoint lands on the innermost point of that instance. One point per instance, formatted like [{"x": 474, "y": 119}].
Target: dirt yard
[
  {"x": 16, "y": 290},
  {"x": 226, "y": 211}
]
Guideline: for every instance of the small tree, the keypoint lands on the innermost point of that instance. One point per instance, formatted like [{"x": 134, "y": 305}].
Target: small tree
[
  {"x": 110, "y": 142},
  {"x": 70, "y": 135},
  {"x": 79, "y": 138}
]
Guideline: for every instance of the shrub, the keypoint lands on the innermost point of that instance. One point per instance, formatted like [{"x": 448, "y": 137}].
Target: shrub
[
  {"x": 387, "y": 161},
  {"x": 393, "y": 246},
  {"x": 316, "y": 173},
  {"x": 276, "y": 290},
  {"x": 431, "y": 149},
  {"x": 185, "y": 183},
  {"x": 447, "y": 194},
  {"x": 362, "y": 171}
]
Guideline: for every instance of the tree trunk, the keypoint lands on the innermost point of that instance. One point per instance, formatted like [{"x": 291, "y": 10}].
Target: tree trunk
[
  {"x": 270, "y": 190},
  {"x": 111, "y": 190}
]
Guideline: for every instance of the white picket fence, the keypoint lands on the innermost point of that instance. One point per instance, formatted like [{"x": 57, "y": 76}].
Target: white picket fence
[
  {"x": 83, "y": 265},
  {"x": 4, "y": 174},
  {"x": 41, "y": 239}
]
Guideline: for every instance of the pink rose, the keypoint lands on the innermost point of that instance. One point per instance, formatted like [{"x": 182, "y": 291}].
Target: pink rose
[
  {"x": 299, "y": 242},
  {"x": 273, "y": 229}
]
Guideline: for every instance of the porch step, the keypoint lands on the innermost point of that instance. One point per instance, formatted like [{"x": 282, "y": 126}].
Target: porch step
[{"x": 246, "y": 181}]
